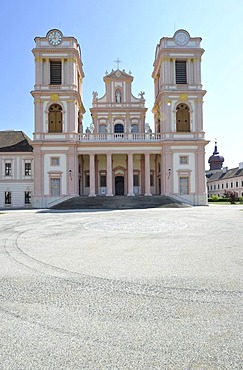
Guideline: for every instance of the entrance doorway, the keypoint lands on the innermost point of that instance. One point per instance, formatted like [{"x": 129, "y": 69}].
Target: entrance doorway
[{"x": 119, "y": 185}]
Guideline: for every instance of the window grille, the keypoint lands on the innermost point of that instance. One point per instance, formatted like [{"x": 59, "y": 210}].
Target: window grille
[
  {"x": 55, "y": 73},
  {"x": 181, "y": 77}
]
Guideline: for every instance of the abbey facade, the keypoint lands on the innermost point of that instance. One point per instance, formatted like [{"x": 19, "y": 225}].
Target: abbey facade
[{"x": 118, "y": 154}]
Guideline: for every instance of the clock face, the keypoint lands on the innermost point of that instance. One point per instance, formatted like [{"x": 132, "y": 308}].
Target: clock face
[
  {"x": 55, "y": 37},
  {"x": 181, "y": 38}
]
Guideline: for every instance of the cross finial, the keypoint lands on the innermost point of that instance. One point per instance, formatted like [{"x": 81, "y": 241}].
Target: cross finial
[{"x": 118, "y": 61}]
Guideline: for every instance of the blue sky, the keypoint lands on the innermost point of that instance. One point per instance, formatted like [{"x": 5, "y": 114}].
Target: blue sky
[{"x": 130, "y": 30}]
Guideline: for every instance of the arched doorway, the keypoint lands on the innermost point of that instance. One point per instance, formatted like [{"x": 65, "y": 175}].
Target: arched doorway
[
  {"x": 119, "y": 185},
  {"x": 182, "y": 118}
]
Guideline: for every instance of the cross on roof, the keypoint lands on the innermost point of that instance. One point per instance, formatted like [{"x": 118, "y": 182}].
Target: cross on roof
[{"x": 118, "y": 61}]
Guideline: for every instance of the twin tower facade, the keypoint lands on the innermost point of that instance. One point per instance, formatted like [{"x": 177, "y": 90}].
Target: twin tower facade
[{"x": 118, "y": 154}]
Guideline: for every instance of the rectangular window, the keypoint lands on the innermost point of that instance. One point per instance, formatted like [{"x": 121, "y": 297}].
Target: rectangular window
[
  {"x": 241, "y": 183},
  {"x": 55, "y": 161},
  {"x": 236, "y": 184},
  {"x": 135, "y": 180},
  {"x": 8, "y": 197},
  {"x": 8, "y": 169},
  {"x": 184, "y": 185},
  {"x": 103, "y": 180},
  {"x": 214, "y": 187},
  {"x": 231, "y": 184},
  {"x": 151, "y": 179},
  {"x": 211, "y": 187},
  {"x": 218, "y": 186},
  {"x": 27, "y": 169},
  {"x": 55, "y": 187},
  {"x": 180, "y": 66},
  {"x": 222, "y": 186},
  {"x": 55, "y": 72},
  {"x": 27, "y": 197},
  {"x": 183, "y": 159},
  {"x": 87, "y": 181}
]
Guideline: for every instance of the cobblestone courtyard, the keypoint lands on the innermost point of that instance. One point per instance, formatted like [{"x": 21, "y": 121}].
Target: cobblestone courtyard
[{"x": 124, "y": 289}]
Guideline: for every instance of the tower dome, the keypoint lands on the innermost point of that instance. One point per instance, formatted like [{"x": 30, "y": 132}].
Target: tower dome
[{"x": 216, "y": 160}]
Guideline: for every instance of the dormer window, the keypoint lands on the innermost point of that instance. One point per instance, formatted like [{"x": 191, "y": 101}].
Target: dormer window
[{"x": 118, "y": 96}]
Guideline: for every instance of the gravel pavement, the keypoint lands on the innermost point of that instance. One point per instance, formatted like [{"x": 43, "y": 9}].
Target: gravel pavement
[{"x": 124, "y": 289}]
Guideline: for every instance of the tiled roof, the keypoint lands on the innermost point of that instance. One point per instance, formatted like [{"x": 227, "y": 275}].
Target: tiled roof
[
  {"x": 221, "y": 175},
  {"x": 15, "y": 141}
]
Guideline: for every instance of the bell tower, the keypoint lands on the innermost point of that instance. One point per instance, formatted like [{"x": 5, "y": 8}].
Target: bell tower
[
  {"x": 178, "y": 115},
  {"x": 58, "y": 116}
]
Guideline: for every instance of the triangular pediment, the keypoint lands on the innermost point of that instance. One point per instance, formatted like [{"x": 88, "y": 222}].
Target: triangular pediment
[{"x": 118, "y": 75}]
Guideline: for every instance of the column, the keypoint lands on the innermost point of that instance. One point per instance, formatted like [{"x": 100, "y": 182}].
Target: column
[
  {"x": 130, "y": 175},
  {"x": 147, "y": 174},
  {"x": 92, "y": 175},
  {"x": 174, "y": 72},
  {"x": 46, "y": 71},
  {"x": 38, "y": 71},
  {"x": 109, "y": 175}
]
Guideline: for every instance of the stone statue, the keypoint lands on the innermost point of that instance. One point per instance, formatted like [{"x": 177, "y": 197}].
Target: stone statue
[
  {"x": 118, "y": 96},
  {"x": 95, "y": 95},
  {"x": 141, "y": 94}
]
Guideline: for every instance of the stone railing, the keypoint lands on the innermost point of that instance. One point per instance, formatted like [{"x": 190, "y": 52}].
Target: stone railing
[{"x": 119, "y": 137}]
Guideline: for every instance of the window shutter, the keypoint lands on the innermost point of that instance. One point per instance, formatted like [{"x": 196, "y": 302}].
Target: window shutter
[
  {"x": 181, "y": 72},
  {"x": 56, "y": 73}
]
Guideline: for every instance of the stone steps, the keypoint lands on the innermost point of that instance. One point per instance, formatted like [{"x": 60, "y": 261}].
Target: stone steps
[{"x": 119, "y": 202}]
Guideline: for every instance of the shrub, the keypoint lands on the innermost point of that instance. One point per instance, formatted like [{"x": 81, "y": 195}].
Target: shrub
[{"x": 231, "y": 196}]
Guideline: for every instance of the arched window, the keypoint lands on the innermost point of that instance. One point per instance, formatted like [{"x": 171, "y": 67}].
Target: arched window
[
  {"x": 102, "y": 129},
  {"x": 182, "y": 118},
  {"x": 55, "y": 118},
  {"x": 134, "y": 128},
  {"x": 118, "y": 128},
  {"x": 118, "y": 96}
]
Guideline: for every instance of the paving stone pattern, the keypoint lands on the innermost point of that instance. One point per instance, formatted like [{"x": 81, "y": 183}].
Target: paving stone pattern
[{"x": 127, "y": 289}]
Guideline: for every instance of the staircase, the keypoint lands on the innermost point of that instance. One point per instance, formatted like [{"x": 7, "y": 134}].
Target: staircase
[{"x": 119, "y": 202}]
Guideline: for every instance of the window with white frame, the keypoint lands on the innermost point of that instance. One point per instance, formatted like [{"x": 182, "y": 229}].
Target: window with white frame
[
  {"x": 27, "y": 169},
  {"x": 8, "y": 197},
  {"x": 184, "y": 159},
  {"x": 8, "y": 169},
  {"x": 55, "y": 161},
  {"x": 27, "y": 197}
]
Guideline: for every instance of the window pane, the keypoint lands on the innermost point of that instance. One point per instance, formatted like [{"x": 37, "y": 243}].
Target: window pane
[
  {"x": 27, "y": 169},
  {"x": 87, "y": 181},
  {"x": 135, "y": 180},
  {"x": 102, "y": 180},
  {"x": 119, "y": 128},
  {"x": 7, "y": 197},
  {"x": 55, "y": 187},
  {"x": 27, "y": 197},
  {"x": 8, "y": 169},
  {"x": 151, "y": 179},
  {"x": 184, "y": 185}
]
